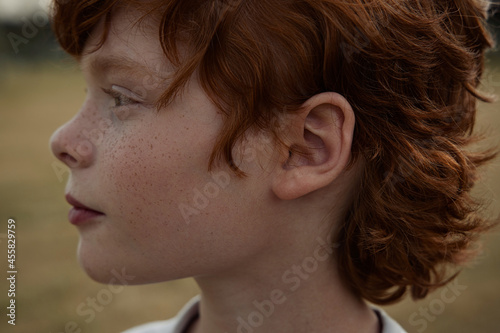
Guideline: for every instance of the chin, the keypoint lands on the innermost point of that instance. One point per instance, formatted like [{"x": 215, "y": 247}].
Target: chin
[
  {"x": 105, "y": 270},
  {"x": 94, "y": 269},
  {"x": 116, "y": 272},
  {"x": 112, "y": 274},
  {"x": 108, "y": 266}
]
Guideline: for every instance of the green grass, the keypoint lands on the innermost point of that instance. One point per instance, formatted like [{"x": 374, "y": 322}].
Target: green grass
[{"x": 35, "y": 101}]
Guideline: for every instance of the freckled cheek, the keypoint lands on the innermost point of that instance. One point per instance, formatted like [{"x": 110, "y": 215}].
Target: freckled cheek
[{"x": 146, "y": 185}]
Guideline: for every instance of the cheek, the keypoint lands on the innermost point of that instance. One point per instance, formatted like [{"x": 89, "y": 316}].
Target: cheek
[
  {"x": 141, "y": 183},
  {"x": 147, "y": 178},
  {"x": 160, "y": 200}
]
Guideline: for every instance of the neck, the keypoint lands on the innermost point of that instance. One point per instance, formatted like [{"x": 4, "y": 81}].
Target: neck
[
  {"x": 291, "y": 286},
  {"x": 304, "y": 296}
]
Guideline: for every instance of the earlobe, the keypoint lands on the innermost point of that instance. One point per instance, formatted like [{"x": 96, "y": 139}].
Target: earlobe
[{"x": 324, "y": 130}]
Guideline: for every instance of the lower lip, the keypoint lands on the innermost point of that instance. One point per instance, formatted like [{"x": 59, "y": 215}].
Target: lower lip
[{"x": 80, "y": 216}]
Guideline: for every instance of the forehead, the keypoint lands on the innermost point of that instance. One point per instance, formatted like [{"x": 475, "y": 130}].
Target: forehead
[{"x": 131, "y": 43}]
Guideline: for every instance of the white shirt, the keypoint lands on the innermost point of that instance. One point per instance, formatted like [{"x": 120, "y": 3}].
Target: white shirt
[{"x": 190, "y": 312}]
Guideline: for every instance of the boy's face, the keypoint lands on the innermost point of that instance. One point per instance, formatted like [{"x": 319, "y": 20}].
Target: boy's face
[{"x": 164, "y": 216}]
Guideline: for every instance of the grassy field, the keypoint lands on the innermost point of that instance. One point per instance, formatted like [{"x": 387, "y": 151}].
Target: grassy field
[{"x": 51, "y": 286}]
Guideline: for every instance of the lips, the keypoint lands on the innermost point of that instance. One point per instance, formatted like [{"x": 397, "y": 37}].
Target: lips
[{"x": 80, "y": 214}]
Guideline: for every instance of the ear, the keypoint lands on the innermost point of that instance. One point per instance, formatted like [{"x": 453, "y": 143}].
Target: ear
[{"x": 324, "y": 126}]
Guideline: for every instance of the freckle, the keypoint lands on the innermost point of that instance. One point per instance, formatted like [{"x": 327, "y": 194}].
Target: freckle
[{"x": 151, "y": 146}]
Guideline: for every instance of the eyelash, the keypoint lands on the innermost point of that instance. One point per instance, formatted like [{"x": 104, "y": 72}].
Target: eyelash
[{"x": 119, "y": 98}]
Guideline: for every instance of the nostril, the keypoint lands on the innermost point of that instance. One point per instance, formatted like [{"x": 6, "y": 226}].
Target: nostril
[{"x": 68, "y": 159}]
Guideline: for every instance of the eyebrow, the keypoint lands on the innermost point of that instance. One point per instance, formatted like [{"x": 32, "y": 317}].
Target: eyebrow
[{"x": 104, "y": 65}]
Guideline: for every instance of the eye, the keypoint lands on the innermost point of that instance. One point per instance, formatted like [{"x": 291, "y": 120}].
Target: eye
[{"x": 121, "y": 96}]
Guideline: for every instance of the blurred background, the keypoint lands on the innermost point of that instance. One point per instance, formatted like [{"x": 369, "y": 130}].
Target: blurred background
[{"x": 40, "y": 89}]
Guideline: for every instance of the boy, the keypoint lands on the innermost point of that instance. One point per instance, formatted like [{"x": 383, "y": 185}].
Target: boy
[{"x": 297, "y": 158}]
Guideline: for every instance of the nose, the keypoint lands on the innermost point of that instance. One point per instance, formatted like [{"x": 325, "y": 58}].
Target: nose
[{"x": 70, "y": 145}]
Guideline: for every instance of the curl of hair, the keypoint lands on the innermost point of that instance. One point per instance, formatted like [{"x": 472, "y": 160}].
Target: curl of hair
[{"x": 410, "y": 70}]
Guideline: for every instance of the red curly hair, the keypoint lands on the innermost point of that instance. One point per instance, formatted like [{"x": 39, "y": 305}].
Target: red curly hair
[{"x": 410, "y": 70}]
